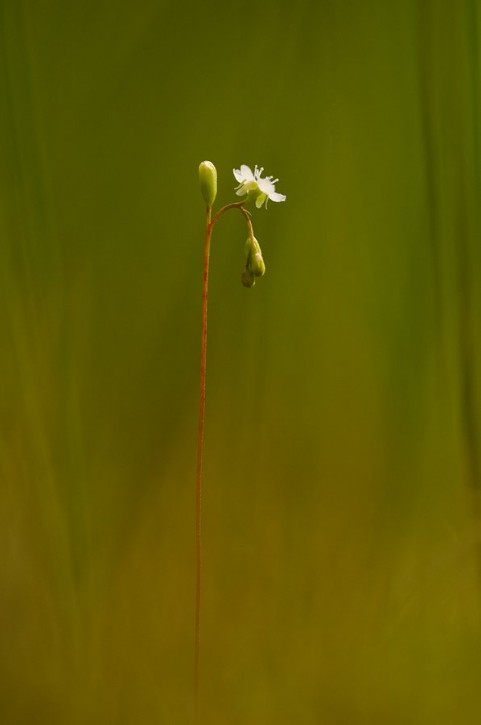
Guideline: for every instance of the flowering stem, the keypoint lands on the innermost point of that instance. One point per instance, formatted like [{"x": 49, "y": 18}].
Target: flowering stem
[
  {"x": 200, "y": 450},
  {"x": 210, "y": 223}
]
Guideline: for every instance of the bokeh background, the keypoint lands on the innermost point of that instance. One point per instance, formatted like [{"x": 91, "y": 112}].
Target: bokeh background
[{"x": 342, "y": 556}]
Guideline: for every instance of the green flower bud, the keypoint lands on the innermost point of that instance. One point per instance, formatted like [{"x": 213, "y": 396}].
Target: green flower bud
[
  {"x": 208, "y": 182},
  {"x": 247, "y": 278},
  {"x": 254, "y": 259},
  {"x": 258, "y": 266}
]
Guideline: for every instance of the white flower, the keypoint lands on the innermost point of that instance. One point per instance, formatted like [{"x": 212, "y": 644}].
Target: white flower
[{"x": 253, "y": 185}]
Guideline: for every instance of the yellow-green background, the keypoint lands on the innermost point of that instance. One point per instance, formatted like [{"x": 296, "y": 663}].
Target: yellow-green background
[{"x": 342, "y": 570}]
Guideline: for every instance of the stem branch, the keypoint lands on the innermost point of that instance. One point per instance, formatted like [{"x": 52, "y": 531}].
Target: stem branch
[{"x": 234, "y": 205}]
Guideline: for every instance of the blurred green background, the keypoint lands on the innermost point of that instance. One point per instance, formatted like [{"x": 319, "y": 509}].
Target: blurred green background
[{"x": 342, "y": 577}]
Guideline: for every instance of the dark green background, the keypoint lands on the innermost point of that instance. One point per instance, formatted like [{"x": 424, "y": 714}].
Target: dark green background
[{"x": 342, "y": 578}]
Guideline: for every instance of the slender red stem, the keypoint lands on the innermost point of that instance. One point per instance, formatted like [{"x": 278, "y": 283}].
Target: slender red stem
[
  {"x": 200, "y": 450},
  {"x": 200, "y": 441}
]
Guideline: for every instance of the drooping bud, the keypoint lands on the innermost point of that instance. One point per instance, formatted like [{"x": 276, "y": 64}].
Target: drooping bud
[
  {"x": 247, "y": 278},
  {"x": 254, "y": 259},
  {"x": 248, "y": 250},
  {"x": 208, "y": 181}
]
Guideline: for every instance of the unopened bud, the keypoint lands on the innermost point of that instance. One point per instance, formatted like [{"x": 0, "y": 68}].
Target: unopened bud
[
  {"x": 258, "y": 266},
  {"x": 208, "y": 182},
  {"x": 247, "y": 278},
  {"x": 254, "y": 259}
]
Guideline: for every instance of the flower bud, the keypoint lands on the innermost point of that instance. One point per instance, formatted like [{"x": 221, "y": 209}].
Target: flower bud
[
  {"x": 258, "y": 265},
  {"x": 208, "y": 182},
  {"x": 247, "y": 278},
  {"x": 254, "y": 259}
]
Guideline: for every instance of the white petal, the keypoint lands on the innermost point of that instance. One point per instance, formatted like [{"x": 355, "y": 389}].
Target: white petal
[
  {"x": 266, "y": 186},
  {"x": 246, "y": 172},
  {"x": 277, "y": 197}
]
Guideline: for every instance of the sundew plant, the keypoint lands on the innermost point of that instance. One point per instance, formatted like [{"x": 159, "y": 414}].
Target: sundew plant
[
  {"x": 338, "y": 555},
  {"x": 254, "y": 189}
]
